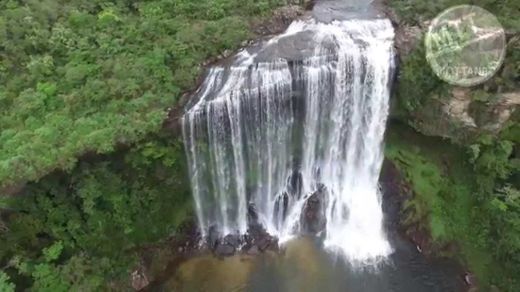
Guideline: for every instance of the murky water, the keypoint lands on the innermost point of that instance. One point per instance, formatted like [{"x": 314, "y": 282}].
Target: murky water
[{"x": 303, "y": 266}]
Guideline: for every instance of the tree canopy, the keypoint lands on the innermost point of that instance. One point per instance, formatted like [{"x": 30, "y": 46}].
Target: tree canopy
[
  {"x": 90, "y": 77},
  {"x": 81, "y": 76}
]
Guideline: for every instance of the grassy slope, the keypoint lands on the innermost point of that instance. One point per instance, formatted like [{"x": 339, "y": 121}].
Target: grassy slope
[{"x": 443, "y": 185}]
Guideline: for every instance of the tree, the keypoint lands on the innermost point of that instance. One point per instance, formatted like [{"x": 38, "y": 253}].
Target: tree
[{"x": 5, "y": 285}]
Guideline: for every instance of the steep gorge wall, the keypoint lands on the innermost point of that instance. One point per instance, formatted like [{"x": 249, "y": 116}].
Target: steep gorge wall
[
  {"x": 435, "y": 108},
  {"x": 460, "y": 161}
]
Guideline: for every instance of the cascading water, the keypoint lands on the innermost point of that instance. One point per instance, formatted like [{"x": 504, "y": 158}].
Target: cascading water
[{"x": 273, "y": 128}]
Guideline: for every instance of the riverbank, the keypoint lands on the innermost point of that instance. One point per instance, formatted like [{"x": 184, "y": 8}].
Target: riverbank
[
  {"x": 303, "y": 265},
  {"x": 406, "y": 183},
  {"x": 437, "y": 212}
]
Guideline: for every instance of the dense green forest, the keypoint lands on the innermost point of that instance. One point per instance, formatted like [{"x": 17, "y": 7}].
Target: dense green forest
[
  {"x": 80, "y": 76},
  {"x": 467, "y": 185},
  {"x": 84, "y": 89},
  {"x": 88, "y": 175},
  {"x": 80, "y": 231}
]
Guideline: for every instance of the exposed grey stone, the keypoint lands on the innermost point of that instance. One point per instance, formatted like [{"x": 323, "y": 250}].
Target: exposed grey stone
[
  {"x": 224, "y": 250},
  {"x": 253, "y": 250},
  {"x": 313, "y": 217}
]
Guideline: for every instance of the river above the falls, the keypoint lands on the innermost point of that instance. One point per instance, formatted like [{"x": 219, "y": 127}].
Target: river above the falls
[{"x": 304, "y": 266}]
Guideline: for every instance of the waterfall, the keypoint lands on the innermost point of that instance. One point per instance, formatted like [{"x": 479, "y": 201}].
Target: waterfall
[{"x": 301, "y": 117}]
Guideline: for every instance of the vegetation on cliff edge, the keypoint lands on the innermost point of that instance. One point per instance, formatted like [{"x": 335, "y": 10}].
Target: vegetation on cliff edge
[{"x": 469, "y": 193}]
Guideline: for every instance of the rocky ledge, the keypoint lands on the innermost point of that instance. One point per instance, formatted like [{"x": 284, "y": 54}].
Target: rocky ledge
[
  {"x": 255, "y": 241},
  {"x": 258, "y": 240}
]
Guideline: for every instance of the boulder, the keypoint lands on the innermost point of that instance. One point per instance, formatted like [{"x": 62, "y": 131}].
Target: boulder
[
  {"x": 213, "y": 237},
  {"x": 280, "y": 20},
  {"x": 139, "y": 280},
  {"x": 259, "y": 240},
  {"x": 462, "y": 118},
  {"x": 224, "y": 250},
  {"x": 313, "y": 218},
  {"x": 233, "y": 240},
  {"x": 252, "y": 213},
  {"x": 253, "y": 251}
]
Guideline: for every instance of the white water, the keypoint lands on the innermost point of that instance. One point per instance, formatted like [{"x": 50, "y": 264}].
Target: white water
[{"x": 257, "y": 127}]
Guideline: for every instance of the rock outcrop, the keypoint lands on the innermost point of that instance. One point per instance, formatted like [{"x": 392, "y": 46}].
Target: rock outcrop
[
  {"x": 313, "y": 219},
  {"x": 458, "y": 114},
  {"x": 461, "y": 117}
]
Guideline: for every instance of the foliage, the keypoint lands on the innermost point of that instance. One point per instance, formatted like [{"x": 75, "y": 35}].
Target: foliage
[
  {"x": 94, "y": 79},
  {"x": 492, "y": 162},
  {"x": 443, "y": 193},
  {"x": 80, "y": 231},
  {"x": 506, "y": 205},
  {"x": 5, "y": 285},
  {"x": 79, "y": 77},
  {"x": 418, "y": 83},
  {"x": 468, "y": 198},
  {"x": 77, "y": 273},
  {"x": 416, "y": 12}
]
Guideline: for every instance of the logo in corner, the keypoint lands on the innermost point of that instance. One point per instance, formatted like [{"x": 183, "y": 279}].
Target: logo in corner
[{"x": 465, "y": 45}]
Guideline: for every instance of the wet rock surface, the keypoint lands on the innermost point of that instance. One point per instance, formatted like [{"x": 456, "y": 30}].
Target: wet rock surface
[
  {"x": 228, "y": 245},
  {"x": 295, "y": 184},
  {"x": 294, "y": 189},
  {"x": 395, "y": 193},
  {"x": 139, "y": 279},
  {"x": 224, "y": 250},
  {"x": 313, "y": 217},
  {"x": 157, "y": 261},
  {"x": 280, "y": 20},
  {"x": 255, "y": 241},
  {"x": 280, "y": 206},
  {"x": 295, "y": 47},
  {"x": 330, "y": 10},
  {"x": 258, "y": 236}
]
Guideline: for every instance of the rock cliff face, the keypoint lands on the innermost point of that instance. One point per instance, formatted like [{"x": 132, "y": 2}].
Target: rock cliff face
[
  {"x": 277, "y": 23},
  {"x": 456, "y": 113},
  {"x": 460, "y": 117}
]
